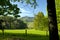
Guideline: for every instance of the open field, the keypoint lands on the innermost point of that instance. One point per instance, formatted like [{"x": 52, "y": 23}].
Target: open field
[
  {"x": 29, "y": 31},
  {"x": 31, "y": 34}
]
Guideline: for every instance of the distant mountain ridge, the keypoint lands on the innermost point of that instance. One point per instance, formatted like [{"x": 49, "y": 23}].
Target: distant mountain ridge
[{"x": 27, "y": 19}]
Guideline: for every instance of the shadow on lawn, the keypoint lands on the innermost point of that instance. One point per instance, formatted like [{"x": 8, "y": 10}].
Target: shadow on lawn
[{"x": 18, "y": 36}]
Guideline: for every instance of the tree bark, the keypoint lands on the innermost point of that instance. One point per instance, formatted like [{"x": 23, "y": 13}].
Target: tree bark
[{"x": 53, "y": 29}]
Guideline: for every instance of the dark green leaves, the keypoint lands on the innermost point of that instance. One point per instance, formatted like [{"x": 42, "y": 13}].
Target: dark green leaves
[{"x": 33, "y": 3}]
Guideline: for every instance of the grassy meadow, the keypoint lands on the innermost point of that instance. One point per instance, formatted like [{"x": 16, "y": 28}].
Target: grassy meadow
[{"x": 31, "y": 34}]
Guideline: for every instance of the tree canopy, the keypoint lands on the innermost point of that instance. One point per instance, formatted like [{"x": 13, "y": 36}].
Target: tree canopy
[{"x": 40, "y": 21}]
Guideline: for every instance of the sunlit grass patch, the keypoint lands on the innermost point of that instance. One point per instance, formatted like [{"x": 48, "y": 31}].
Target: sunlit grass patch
[
  {"x": 38, "y": 32},
  {"x": 14, "y": 31},
  {"x": 29, "y": 31}
]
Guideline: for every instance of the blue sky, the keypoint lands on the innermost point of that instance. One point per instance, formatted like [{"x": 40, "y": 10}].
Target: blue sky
[{"x": 27, "y": 10}]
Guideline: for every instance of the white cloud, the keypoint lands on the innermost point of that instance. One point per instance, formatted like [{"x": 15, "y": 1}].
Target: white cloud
[{"x": 24, "y": 11}]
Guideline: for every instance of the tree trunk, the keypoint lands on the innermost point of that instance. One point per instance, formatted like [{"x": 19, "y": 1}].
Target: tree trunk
[{"x": 53, "y": 29}]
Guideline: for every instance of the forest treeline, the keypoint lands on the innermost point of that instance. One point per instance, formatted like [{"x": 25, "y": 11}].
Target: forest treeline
[
  {"x": 39, "y": 21},
  {"x": 12, "y": 23}
]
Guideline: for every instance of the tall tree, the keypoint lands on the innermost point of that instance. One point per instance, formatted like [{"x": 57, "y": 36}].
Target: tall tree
[
  {"x": 39, "y": 21},
  {"x": 6, "y": 8},
  {"x": 1, "y": 27},
  {"x": 53, "y": 30}
]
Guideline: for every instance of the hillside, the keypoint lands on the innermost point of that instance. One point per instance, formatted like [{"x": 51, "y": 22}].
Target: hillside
[{"x": 27, "y": 19}]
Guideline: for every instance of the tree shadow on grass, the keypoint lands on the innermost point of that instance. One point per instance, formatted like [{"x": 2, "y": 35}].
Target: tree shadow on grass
[{"x": 19, "y": 36}]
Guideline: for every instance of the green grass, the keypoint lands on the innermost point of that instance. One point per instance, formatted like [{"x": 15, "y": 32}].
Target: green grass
[
  {"x": 31, "y": 34},
  {"x": 29, "y": 31}
]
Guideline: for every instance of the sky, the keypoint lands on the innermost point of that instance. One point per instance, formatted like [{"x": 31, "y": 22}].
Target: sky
[{"x": 27, "y": 10}]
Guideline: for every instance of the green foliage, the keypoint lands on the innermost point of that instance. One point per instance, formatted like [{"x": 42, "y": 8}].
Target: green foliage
[
  {"x": 33, "y": 3},
  {"x": 13, "y": 23},
  {"x": 58, "y": 10},
  {"x": 40, "y": 21},
  {"x": 21, "y": 24},
  {"x": 6, "y": 8},
  {"x": 57, "y": 2}
]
